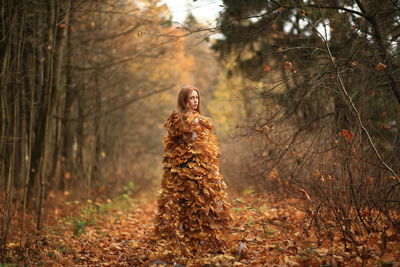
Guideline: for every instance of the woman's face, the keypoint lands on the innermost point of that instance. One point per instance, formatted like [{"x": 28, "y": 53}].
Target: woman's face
[{"x": 193, "y": 100}]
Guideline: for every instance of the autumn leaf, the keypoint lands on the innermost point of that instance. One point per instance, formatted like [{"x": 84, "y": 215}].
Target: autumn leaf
[
  {"x": 267, "y": 68},
  {"x": 346, "y": 135},
  {"x": 380, "y": 66},
  {"x": 353, "y": 64},
  {"x": 396, "y": 178},
  {"x": 385, "y": 127},
  {"x": 272, "y": 174},
  {"x": 265, "y": 129},
  {"x": 289, "y": 67},
  {"x": 304, "y": 193}
]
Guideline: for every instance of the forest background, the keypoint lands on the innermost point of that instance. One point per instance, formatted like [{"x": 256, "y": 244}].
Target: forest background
[{"x": 305, "y": 97}]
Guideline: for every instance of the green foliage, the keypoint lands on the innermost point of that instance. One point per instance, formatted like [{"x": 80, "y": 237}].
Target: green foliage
[
  {"x": 250, "y": 220},
  {"x": 128, "y": 189},
  {"x": 236, "y": 210},
  {"x": 269, "y": 232},
  {"x": 387, "y": 263},
  {"x": 88, "y": 216},
  {"x": 79, "y": 226},
  {"x": 238, "y": 200}
]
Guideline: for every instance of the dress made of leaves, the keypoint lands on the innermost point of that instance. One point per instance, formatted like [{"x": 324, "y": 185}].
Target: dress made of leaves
[{"x": 193, "y": 214}]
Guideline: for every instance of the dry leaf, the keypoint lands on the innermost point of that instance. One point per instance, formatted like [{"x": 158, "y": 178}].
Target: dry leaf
[
  {"x": 380, "y": 66},
  {"x": 346, "y": 135},
  {"x": 304, "y": 193}
]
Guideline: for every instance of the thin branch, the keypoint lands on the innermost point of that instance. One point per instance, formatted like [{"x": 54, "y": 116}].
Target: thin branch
[
  {"x": 119, "y": 34},
  {"x": 100, "y": 66},
  {"x": 111, "y": 110},
  {"x": 323, "y": 7}
]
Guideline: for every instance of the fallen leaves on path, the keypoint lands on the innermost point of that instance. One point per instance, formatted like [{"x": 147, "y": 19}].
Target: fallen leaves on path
[{"x": 266, "y": 234}]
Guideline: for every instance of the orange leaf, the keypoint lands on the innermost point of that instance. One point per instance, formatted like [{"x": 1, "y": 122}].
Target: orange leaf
[
  {"x": 272, "y": 174},
  {"x": 380, "y": 66},
  {"x": 289, "y": 66},
  {"x": 353, "y": 63},
  {"x": 385, "y": 127},
  {"x": 304, "y": 193},
  {"x": 347, "y": 135},
  {"x": 267, "y": 68}
]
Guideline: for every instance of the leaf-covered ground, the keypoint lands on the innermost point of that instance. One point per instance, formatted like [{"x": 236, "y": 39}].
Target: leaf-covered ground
[{"x": 265, "y": 233}]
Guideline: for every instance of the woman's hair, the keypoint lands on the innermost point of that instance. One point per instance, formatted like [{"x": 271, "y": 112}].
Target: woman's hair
[{"x": 183, "y": 98}]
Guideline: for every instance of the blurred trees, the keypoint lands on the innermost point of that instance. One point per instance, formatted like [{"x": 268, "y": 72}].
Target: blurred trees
[{"x": 85, "y": 89}]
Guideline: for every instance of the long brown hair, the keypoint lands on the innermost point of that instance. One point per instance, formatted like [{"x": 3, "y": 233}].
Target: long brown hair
[{"x": 183, "y": 98}]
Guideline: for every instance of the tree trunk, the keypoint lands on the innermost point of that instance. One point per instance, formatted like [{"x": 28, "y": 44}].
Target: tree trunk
[{"x": 61, "y": 42}]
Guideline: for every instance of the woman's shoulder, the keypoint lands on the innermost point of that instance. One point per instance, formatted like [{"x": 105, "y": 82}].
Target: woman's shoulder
[
  {"x": 174, "y": 114},
  {"x": 185, "y": 115},
  {"x": 179, "y": 121},
  {"x": 189, "y": 117},
  {"x": 172, "y": 118}
]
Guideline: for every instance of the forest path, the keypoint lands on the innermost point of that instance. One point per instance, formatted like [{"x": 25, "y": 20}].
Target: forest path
[{"x": 271, "y": 234}]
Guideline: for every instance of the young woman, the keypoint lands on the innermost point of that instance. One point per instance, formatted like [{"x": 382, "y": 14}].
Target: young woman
[{"x": 193, "y": 214}]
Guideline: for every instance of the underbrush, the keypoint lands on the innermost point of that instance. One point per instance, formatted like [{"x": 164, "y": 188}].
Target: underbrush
[
  {"x": 63, "y": 217},
  {"x": 348, "y": 195}
]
